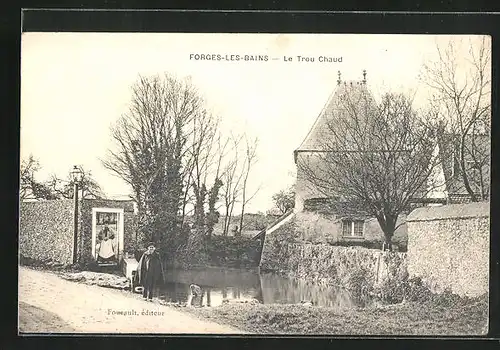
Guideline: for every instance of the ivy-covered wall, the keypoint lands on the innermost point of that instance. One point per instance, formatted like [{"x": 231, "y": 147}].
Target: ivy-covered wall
[{"x": 46, "y": 231}]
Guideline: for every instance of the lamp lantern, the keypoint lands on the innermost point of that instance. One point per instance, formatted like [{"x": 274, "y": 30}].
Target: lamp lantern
[{"x": 76, "y": 175}]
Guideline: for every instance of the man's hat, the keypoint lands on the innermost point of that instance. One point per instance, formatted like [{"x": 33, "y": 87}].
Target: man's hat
[{"x": 150, "y": 244}]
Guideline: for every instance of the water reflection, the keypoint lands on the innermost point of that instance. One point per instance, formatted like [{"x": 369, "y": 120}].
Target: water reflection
[
  {"x": 243, "y": 285},
  {"x": 277, "y": 289}
]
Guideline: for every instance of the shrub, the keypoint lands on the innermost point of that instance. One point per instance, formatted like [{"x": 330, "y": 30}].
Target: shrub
[
  {"x": 359, "y": 282},
  {"x": 233, "y": 251},
  {"x": 416, "y": 290},
  {"x": 393, "y": 291}
]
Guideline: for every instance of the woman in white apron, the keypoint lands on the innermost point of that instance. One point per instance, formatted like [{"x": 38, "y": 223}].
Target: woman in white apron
[{"x": 106, "y": 247}]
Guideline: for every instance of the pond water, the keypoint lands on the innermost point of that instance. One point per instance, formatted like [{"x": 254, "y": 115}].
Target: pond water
[{"x": 267, "y": 288}]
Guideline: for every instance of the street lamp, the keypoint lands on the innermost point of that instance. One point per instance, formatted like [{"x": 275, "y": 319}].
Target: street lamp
[{"x": 76, "y": 178}]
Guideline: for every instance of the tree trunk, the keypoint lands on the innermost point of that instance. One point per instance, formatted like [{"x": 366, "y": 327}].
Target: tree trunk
[
  {"x": 482, "y": 185},
  {"x": 209, "y": 299},
  {"x": 387, "y": 223},
  {"x": 226, "y": 222},
  {"x": 241, "y": 219},
  {"x": 464, "y": 174},
  {"x": 387, "y": 242}
]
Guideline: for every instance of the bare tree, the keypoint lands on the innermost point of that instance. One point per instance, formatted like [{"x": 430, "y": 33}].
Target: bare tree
[
  {"x": 375, "y": 158},
  {"x": 234, "y": 179},
  {"x": 201, "y": 157},
  {"x": 63, "y": 188},
  {"x": 231, "y": 179},
  {"x": 250, "y": 159},
  {"x": 55, "y": 187},
  {"x": 284, "y": 200},
  {"x": 152, "y": 140},
  {"x": 204, "y": 166},
  {"x": 462, "y": 90},
  {"x": 29, "y": 186},
  {"x": 213, "y": 196}
]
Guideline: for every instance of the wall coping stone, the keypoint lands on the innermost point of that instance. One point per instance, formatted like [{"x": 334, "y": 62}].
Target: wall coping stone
[{"x": 451, "y": 211}]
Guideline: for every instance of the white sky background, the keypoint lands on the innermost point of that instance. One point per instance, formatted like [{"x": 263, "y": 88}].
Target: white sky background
[{"x": 74, "y": 86}]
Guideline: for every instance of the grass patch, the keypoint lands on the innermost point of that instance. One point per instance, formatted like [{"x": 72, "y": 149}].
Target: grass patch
[
  {"x": 467, "y": 317},
  {"x": 33, "y": 319}
]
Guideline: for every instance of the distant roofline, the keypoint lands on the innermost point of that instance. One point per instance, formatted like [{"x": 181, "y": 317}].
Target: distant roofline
[
  {"x": 297, "y": 151},
  {"x": 110, "y": 199}
]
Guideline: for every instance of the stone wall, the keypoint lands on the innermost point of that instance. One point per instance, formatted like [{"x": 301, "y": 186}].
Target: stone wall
[
  {"x": 46, "y": 230},
  {"x": 448, "y": 247}
]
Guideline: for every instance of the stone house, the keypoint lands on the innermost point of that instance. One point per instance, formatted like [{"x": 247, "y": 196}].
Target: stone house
[
  {"x": 106, "y": 231},
  {"x": 318, "y": 217},
  {"x": 322, "y": 219}
]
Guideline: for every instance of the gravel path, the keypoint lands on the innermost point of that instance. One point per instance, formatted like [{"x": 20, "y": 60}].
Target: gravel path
[{"x": 50, "y": 304}]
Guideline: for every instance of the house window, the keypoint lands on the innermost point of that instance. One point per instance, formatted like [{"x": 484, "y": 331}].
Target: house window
[{"x": 352, "y": 228}]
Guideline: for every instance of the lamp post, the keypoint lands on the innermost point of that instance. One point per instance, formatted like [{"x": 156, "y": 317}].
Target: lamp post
[{"x": 76, "y": 177}]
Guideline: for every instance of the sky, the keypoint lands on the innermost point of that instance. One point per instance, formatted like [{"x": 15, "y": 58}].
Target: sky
[{"x": 74, "y": 87}]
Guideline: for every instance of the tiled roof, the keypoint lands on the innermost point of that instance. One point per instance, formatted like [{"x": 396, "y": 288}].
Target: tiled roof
[
  {"x": 337, "y": 206},
  {"x": 357, "y": 92}
]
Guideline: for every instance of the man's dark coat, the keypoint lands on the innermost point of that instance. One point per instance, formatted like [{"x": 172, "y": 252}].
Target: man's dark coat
[{"x": 150, "y": 269}]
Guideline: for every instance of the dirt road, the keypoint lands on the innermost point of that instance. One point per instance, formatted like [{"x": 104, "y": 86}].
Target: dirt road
[{"x": 50, "y": 304}]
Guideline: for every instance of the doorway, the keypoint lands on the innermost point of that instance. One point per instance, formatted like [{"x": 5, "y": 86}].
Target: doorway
[{"x": 107, "y": 236}]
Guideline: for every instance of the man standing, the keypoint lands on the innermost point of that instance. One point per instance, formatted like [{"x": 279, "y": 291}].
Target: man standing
[{"x": 149, "y": 271}]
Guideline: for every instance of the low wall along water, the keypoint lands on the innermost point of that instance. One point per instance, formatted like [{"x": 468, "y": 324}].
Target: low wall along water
[
  {"x": 448, "y": 249},
  {"x": 348, "y": 267}
]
